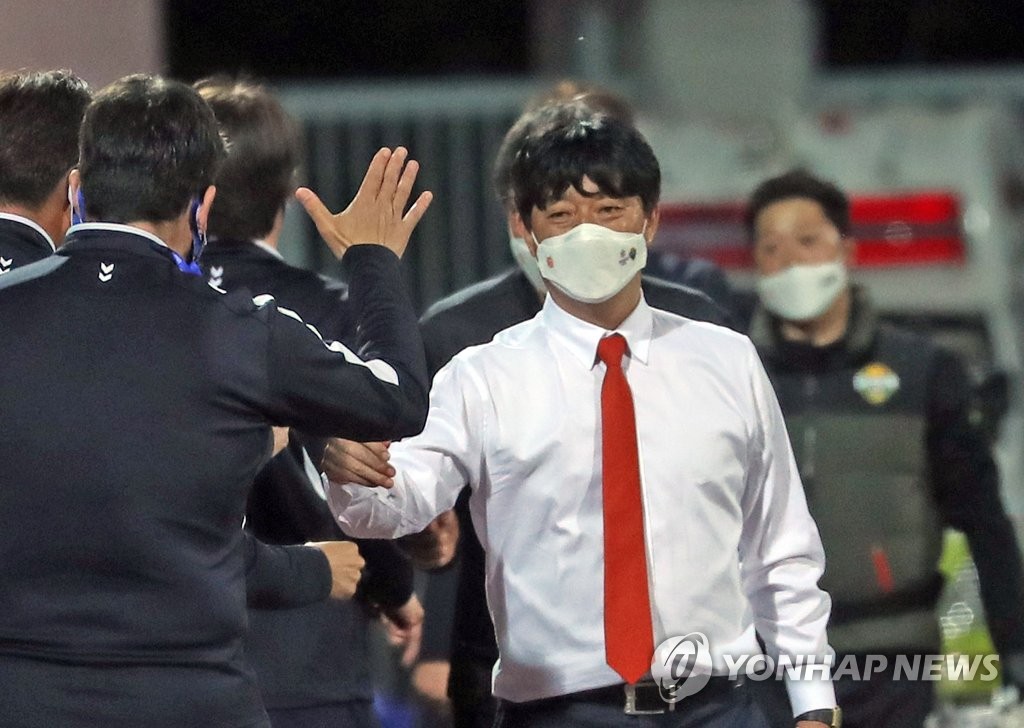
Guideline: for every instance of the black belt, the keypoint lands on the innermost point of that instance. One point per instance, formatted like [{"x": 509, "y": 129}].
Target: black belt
[{"x": 644, "y": 698}]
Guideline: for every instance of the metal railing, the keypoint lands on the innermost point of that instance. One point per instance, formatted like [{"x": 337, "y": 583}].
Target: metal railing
[{"x": 453, "y": 128}]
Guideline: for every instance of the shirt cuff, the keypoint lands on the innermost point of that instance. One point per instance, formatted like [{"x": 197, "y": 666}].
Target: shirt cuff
[
  {"x": 810, "y": 694},
  {"x": 371, "y": 512}
]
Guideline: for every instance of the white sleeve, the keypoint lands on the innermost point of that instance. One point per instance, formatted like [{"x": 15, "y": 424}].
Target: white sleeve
[
  {"x": 431, "y": 468},
  {"x": 782, "y": 556}
]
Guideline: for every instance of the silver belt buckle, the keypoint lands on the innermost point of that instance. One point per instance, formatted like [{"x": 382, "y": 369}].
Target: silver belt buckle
[{"x": 631, "y": 708}]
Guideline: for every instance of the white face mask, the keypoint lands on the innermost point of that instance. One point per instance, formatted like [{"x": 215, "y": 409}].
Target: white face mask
[
  {"x": 526, "y": 262},
  {"x": 591, "y": 263},
  {"x": 802, "y": 292}
]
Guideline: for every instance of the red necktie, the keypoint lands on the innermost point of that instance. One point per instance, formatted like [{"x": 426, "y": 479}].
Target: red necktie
[{"x": 628, "y": 634}]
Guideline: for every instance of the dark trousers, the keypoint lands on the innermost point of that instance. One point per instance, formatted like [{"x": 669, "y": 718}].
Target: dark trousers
[
  {"x": 469, "y": 687},
  {"x": 879, "y": 702},
  {"x": 734, "y": 709},
  {"x": 351, "y": 714}
]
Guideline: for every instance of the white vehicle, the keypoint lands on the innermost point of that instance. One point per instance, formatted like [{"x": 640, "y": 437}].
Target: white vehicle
[{"x": 937, "y": 208}]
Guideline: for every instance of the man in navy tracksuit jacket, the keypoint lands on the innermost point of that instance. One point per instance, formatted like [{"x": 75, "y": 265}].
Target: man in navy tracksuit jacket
[
  {"x": 40, "y": 113},
  {"x": 39, "y": 118},
  {"x": 136, "y": 404}
]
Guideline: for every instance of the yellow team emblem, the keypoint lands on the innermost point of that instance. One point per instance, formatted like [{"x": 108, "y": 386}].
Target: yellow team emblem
[{"x": 876, "y": 383}]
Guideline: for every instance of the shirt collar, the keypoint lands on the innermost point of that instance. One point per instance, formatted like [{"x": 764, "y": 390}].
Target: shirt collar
[
  {"x": 31, "y": 223},
  {"x": 581, "y": 337},
  {"x": 225, "y": 244},
  {"x": 108, "y": 235}
]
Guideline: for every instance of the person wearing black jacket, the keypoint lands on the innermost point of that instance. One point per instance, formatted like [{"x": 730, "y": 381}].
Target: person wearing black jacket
[
  {"x": 40, "y": 114},
  {"x": 888, "y": 455},
  {"x": 39, "y": 118},
  {"x": 136, "y": 405},
  {"x": 313, "y": 664}
]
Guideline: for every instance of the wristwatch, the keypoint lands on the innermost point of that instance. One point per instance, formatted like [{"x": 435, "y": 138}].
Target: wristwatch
[{"x": 832, "y": 717}]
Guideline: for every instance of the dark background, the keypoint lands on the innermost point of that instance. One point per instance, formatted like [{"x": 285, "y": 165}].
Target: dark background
[
  {"x": 929, "y": 33},
  {"x": 318, "y": 39}
]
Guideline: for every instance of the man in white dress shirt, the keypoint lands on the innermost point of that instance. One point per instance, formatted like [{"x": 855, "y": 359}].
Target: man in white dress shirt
[{"x": 726, "y": 545}]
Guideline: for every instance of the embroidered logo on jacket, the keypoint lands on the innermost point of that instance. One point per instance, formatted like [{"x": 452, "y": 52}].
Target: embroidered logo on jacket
[
  {"x": 5, "y": 265},
  {"x": 216, "y": 276},
  {"x": 106, "y": 272},
  {"x": 876, "y": 383}
]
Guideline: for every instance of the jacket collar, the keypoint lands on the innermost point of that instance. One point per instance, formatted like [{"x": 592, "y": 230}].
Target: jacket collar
[
  {"x": 29, "y": 230},
  {"x": 765, "y": 330},
  {"x": 225, "y": 247},
  {"x": 113, "y": 236}
]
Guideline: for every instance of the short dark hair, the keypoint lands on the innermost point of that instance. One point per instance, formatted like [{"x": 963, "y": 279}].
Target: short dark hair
[
  {"x": 571, "y": 142},
  {"x": 593, "y": 97},
  {"x": 148, "y": 146},
  {"x": 39, "y": 118},
  {"x": 799, "y": 183},
  {"x": 258, "y": 175}
]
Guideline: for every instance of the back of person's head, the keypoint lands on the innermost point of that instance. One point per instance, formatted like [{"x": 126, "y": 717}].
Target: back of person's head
[
  {"x": 595, "y": 98},
  {"x": 569, "y": 142},
  {"x": 258, "y": 175},
  {"x": 799, "y": 184},
  {"x": 148, "y": 147},
  {"x": 39, "y": 118}
]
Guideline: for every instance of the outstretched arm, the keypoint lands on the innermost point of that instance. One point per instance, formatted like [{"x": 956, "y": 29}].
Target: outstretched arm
[
  {"x": 380, "y": 492},
  {"x": 378, "y": 391}
]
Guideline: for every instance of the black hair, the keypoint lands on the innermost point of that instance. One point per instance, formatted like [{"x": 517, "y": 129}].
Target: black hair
[
  {"x": 799, "y": 183},
  {"x": 570, "y": 142},
  {"x": 595, "y": 98},
  {"x": 39, "y": 118},
  {"x": 148, "y": 146},
  {"x": 258, "y": 175}
]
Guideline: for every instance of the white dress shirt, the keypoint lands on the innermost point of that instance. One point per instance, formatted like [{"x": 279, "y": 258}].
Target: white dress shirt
[{"x": 730, "y": 544}]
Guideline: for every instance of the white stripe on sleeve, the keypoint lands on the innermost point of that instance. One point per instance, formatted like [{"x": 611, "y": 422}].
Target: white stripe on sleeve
[{"x": 380, "y": 369}]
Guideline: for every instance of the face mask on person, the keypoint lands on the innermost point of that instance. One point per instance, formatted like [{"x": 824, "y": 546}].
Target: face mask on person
[
  {"x": 802, "y": 292},
  {"x": 526, "y": 262},
  {"x": 77, "y": 205},
  {"x": 591, "y": 263}
]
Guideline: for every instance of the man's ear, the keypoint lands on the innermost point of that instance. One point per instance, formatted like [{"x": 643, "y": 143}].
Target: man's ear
[
  {"x": 74, "y": 184},
  {"x": 69, "y": 189},
  {"x": 848, "y": 246},
  {"x": 651, "y": 229},
  {"x": 203, "y": 214},
  {"x": 518, "y": 229}
]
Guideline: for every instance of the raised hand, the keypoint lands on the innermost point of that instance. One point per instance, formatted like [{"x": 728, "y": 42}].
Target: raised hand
[{"x": 375, "y": 215}]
